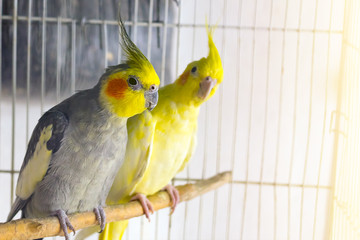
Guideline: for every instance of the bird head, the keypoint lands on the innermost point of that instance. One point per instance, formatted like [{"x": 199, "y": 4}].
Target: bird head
[
  {"x": 201, "y": 78},
  {"x": 131, "y": 87}
]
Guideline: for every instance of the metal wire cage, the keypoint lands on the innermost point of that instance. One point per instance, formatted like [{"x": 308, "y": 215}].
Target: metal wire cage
[{"x": 285, "y": 119}]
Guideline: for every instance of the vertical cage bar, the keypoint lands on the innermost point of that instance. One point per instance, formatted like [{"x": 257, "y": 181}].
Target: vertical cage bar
[
  {"x": 178, "y": 41},
  {"x": 58, "y": 59},
  {"x": 309, "y": 119},
  {"x": 204, "y": 169},
  {"x": 73, "y": 56},
  {"x": 236, "y": 112},
  {"x": 279, "y": 118},
  {"x": 119, "y": 51},
  {"x": 265, "y": 119},
  {"x": 219, "y": 130},
  {"x": 14, "y": 59},
  {"x": 249, "y": 124},
  {"x": 294, "y": 121},
  {"x": 43, "y": 56},
  {"x": 177, "y": 73},
  {"x": 106, "y": 47},
  {"x": 324, "y": 122},
  {"x": 148, "y": 54},
  {"x": 28, "y": 72},
  {"x": 135, "y": 21},
  {"x": 163, "y": 54},
  {"x": 119, "y": 45},
  {"x": 187, "y": 169},
  {"x": 205, "y": 152},
  {"x": 1, "y": 12}
]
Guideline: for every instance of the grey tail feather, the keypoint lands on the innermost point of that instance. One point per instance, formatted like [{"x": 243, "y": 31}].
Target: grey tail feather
[{"x": 18, "y": 205}]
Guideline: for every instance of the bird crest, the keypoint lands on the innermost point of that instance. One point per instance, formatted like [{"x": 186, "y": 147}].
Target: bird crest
[
  {"x": 133, "y": 57},
  {"x": 214, "y": 56}
]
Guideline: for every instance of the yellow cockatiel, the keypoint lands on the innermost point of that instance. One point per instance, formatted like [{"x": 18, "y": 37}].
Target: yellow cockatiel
[{"x": 161, "y": 142}]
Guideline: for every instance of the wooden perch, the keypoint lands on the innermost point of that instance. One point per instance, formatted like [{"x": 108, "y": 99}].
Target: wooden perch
[{"x": 48, "y": 227}]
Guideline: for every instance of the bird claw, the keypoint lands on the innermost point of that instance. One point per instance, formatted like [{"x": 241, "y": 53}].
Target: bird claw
[
  {"x": 145, "y": 203},
  {"x": 101, "y": 217},
  {"x": 64, "y": 223},
  {"x": 174, "y": 196}
]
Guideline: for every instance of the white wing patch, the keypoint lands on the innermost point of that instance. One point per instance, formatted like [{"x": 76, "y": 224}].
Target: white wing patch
[{"x": 37, "y": 166}]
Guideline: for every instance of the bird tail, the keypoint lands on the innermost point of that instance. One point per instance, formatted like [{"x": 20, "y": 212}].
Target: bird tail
[
  {"x": 114, "y": 230},
  {"x": 18, "y": 205}
]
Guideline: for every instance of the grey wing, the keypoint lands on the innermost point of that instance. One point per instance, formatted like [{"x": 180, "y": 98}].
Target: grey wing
[{"x": 45, "y": 140}]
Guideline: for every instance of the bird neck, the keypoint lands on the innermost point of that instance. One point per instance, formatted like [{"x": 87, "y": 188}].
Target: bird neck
[{"x": 106, "y": 109}]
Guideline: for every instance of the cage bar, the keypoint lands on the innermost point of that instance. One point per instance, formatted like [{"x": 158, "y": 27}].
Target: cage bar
[
  {"x": 169, "y": 25},
  {"x": 14, "y": 59},
  {"x": 294, "y": 121},
  {"x": 43, "y": 53},
  {"x": 265, "y": 122},
  {"x": 219, "y": 126},
  {"x": 249, "y": 125},
  {"x": 73, "y": 56},
  {"x": 28, "y": 71},
  {"x": 58, "y": 60},
  {"x": 148, "y": 54},
  {"x": 324, "y": 124},
  {"x": 309, "y": 119},
  {"x": 1, "y": 12},
  {"x": 163, "y": 53},
  {"x": 235, "y": 128},
  {"x": 135, "y": 21},
  {"x": 279, "y": 119}
]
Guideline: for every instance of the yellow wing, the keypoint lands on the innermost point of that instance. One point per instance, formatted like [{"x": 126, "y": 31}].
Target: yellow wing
[
  {"x": 141, "y": 129},
  {"x": 190, "y": 152}
]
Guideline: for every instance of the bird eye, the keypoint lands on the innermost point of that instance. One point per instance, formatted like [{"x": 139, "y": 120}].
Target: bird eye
[
  {"x": 133, "y": 81},
  {"x": 193, "y": 69}
]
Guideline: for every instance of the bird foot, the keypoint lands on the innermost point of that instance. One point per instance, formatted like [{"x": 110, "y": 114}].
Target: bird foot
[
  {"x": 174, "y": 196},
  {"x": 64, "y": 223},
  {"x": 101, "y": 217},
  {"x": 145, "y": 203}
]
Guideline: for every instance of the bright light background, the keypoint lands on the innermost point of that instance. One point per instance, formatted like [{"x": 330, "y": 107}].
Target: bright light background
[{"x": 276, "y": 121}]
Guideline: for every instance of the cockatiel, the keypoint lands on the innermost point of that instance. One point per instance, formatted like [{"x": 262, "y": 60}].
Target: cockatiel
[
  {"x": 162, "y": 142},
  {"x": 77, "y": 146}
]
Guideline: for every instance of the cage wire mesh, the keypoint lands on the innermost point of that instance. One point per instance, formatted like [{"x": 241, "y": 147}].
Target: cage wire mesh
[{"x": 276, "y": 121}]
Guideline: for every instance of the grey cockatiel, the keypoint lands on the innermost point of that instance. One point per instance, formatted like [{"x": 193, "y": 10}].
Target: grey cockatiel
[{"x": 78, "y": 146}]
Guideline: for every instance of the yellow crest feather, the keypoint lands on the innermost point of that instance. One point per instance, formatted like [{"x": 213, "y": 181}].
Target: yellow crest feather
[{"x": 214, "y": 56}]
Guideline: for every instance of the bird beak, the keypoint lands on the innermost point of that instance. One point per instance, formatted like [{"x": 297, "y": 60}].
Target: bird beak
[
  {"x": 206, "y": 85},
  {"x": 151, "y": 98}
]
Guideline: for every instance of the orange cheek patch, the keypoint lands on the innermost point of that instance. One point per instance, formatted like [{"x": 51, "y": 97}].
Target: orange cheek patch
[
  {"x": 116, "y": 88},
  {"x": 184, "y": 77}
]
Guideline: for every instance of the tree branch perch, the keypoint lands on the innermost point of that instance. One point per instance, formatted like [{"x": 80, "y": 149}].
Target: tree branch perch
[{"x": 48, "y": 227}]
